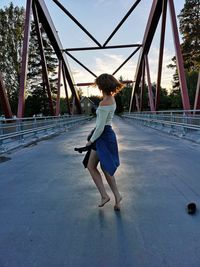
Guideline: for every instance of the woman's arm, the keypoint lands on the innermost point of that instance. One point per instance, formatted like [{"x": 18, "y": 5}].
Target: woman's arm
[{"x": 100, "y": 124}]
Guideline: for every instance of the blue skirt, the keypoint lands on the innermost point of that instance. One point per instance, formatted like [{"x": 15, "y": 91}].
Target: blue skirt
[{"x": 107, "y": 151}]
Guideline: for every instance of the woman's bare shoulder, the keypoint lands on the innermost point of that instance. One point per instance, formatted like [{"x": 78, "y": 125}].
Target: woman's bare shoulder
[{"x": 107, "y": 102}]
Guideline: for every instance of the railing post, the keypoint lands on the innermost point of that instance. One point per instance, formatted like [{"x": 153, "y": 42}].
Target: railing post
[
  {"x": 19, "y": 129},
  {"x": 150, "y": 93},
  {"x": 35, "y": 127}
]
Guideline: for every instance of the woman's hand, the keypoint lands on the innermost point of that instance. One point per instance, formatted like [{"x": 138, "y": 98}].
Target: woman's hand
[{"x": 89, "y": 143}]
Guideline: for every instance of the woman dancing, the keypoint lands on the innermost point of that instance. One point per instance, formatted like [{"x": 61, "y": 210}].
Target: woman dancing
[{"x": 103, "y": 141}]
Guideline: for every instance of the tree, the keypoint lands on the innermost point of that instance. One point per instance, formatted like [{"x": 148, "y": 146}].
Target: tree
[
  {"x": 118, "y": 99},
  {"x": 11, "y": 39},
  {"x": 63, "y": 106},
  {"x": 189, "y": 19},
  {"x": 126, "y": 96}
]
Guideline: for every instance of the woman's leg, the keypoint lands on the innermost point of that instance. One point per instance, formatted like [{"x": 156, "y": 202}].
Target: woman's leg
[
  {"x": 112, "y": 183},
  {"x": 92, "y": 167}
]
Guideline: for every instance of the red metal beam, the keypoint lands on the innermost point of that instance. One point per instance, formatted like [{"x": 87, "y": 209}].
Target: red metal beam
[
  {"x": 4, "y": 99},
  {"x": 66, "y": 92},
  {"x": 197, "y": 97},
  {"x": 137, "y": 102},
  {"x": 142, "y": 85},
  {"x": 44, "y": 65},
  {"x": 58, "y": 89},
  {"x": 154, "y": 16},
  {"x": 179, "y": 58},
  {"x": 99, "y": 48},
  {"x": 23, "y": 70},
  {"x": 162, "y": 40},
  {"x": 50, "y": 29},
  {"x": 122, "y": 21},
  {"x": 150, "y": 92}
]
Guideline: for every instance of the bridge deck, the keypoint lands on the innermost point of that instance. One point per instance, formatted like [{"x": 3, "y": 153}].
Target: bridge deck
[{"x": 48, "y": 204}]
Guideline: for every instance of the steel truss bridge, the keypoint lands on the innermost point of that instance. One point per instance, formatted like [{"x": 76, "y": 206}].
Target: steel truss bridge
[
  {"x": 48, "y": 203},
  {"x": 42, "y": 19}
]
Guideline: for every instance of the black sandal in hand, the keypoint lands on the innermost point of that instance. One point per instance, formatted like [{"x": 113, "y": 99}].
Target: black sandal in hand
[{"x": 82, "y": 149}]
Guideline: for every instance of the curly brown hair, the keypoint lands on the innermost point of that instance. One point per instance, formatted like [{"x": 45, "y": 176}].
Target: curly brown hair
[{"x": 108, "y": 84}]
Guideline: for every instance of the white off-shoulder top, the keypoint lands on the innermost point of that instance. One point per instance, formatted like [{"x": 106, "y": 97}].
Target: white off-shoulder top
[{"x": 105, "y": 115}]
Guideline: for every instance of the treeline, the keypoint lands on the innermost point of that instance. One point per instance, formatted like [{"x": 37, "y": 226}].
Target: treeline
[{"x": 11, "y": 39}]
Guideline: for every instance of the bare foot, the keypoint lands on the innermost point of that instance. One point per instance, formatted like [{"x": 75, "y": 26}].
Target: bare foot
[
  {"x": 117, "y": 204},
  {"x": 104, "y": 201}
]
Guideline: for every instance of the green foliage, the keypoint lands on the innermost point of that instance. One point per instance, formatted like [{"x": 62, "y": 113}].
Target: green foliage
[
  {"x": 63, "y": 106},
  {"x": 125, "y": 95},
  {"x": 189, "y": 19},
  {"x": 11, "y": 40},
  {"x": 119, "y": 102},
  {"x": 191, "y": 78},
  {"x": 175, "y": 94}
]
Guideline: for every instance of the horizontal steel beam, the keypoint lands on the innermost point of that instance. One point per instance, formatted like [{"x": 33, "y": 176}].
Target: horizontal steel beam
[{"x": 98, "y": 48}]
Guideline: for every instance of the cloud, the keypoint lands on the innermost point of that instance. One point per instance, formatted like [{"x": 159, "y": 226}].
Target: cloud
[
  {"x": 98, "y": 3},
  {"x": 110, "y": 62}
]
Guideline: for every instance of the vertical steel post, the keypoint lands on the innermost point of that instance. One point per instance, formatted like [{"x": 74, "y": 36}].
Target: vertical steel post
[
  {"x": 23, "y": 71},
  {"x": 137, "y": 102},
  {"x": 142, "y": 85},
  {"x": 66, "y": 92},
  {"x": 152, "y": 23},
  {"x": 179, "y": 58},
  {"x": 73, "y": 104},
  {"x": 197, "y": 96},
  {"x": 150, "y": 93},
  {"x": 4, "y": 99},
  {"x": 44, "y": 64},
  {"x": 162, "y": 40},
  {"x": 58, "y": 90}
]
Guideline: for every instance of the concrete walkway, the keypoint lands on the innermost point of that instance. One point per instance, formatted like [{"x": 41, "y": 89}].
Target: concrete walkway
[{"x": 48, "y": 204}]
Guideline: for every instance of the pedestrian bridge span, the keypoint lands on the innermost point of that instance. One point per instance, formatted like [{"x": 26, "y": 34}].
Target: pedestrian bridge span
[{"x": 48, "y": 203}]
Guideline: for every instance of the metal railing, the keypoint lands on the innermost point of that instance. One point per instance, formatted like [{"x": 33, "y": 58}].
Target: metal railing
[
  {"x": 15, "y": 132},
  {"x": 184, "y": 121}
]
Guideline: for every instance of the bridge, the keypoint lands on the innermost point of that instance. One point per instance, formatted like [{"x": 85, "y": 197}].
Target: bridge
[{"x": 49, "y": 214}]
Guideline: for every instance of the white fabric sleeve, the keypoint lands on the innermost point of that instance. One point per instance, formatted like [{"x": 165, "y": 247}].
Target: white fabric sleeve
[{"x": 100, "y": 124}]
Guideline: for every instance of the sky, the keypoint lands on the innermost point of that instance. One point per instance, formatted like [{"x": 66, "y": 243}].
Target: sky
[{"x": 100, "y": 17}]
